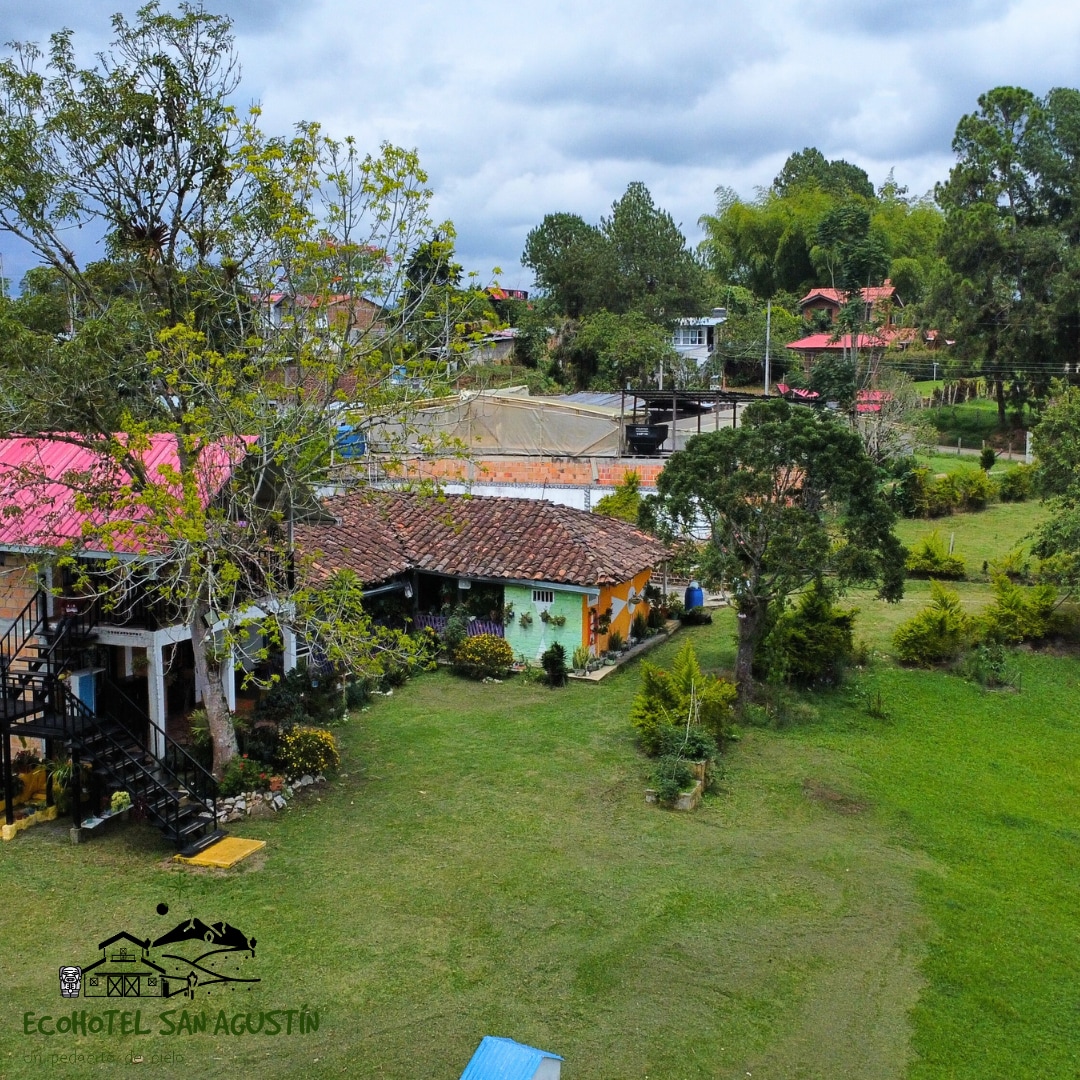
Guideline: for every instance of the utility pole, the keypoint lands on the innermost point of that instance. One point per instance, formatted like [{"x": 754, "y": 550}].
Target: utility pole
[{"x": 768, "y": 329}]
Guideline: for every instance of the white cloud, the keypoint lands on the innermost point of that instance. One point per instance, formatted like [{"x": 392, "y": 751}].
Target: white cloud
[{"x": 519, "y": 111}]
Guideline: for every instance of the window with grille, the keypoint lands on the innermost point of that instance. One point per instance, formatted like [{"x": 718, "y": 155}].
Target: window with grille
[{"x": 543, "y": 596}]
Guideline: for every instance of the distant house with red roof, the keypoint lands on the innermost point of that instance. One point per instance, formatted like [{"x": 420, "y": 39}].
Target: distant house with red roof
[
  {"x": 357, "y": 314},
  {"x": 810, "y": 349},
  {"x": 882, "y": 303}
]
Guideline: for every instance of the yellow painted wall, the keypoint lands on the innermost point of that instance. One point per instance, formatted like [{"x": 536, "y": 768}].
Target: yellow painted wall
[{"x": 622, "y": 614}]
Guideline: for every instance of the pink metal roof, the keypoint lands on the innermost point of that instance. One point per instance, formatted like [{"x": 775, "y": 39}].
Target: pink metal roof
[
  {"x": 54, "y": 492},
  {"x": 817, "y": 342}
]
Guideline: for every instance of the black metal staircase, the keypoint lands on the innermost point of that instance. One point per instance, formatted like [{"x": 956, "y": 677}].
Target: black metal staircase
[{"x": 170, "y": 787}]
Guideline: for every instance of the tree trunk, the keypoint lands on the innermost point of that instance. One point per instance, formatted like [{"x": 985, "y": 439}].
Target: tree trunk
[
  {"x": 999, "y": 392},
  {"x": 209, "y": 671},
  {"x": 751, "y": 620}
]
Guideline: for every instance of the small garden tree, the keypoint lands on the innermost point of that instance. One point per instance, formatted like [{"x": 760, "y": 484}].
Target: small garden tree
[{"x": 788, "y": 496}]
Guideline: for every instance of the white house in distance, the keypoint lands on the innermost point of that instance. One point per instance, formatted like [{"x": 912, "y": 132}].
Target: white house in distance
[{"x": 695, "y": 337}]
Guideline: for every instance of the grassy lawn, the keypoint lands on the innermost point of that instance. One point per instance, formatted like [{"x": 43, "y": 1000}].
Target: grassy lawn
[
  {"x": 862, "y": 898},
  {"x": 950, "y": 463},
  {"x": 972, "y": 423},
  {"x": 982, "y": 536}
]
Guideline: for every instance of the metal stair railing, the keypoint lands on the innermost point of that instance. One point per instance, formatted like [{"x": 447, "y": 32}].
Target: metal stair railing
[
  {"x": 24, "y": 626},
  {"x": 178, "y": 769},
  {"x": 195, "y": 778}
]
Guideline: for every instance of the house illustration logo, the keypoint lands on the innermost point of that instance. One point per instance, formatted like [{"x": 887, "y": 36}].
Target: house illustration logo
[{"x": 192, "y": 956}]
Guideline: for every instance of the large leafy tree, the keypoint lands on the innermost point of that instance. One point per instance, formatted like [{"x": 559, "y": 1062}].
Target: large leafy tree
[
  {"x": 608, "y": 351},
  {"x": 1057, "y": 443},
  {"x": 1011, "y": 223},
  {"x": 815, "y": 227},
  {"x": 635, "y": 260},
  {"x": 786, "y": 497},
  {"x": 208, "y": 223},
  {"x": 573, "y": 264},
  {"x": 809, "y": 168},
  {"x": 658, "y": 275}
]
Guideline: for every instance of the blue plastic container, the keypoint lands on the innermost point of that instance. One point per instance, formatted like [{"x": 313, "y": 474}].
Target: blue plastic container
[{"x": 693, "y": 597}]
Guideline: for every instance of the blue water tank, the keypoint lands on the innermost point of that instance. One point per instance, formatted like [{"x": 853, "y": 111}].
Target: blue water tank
[
  {"x": 694, "y": 597},
  {"x": 351, "y": 443}
]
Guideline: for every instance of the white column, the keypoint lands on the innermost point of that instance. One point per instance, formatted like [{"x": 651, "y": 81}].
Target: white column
[
  {"x": 288, "y": 642},
  {"x": 155, "y": 678},
  {"x": 228, "y": 676},
  {"x": 129, "y": 665}
]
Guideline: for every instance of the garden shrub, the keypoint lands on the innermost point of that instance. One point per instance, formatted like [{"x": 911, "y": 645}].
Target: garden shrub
[
  {"x": 987, "y": 458},
  {"x": 943, "y": 495},
  {"x": 553, "y": 661},
  {"x": 655, "y": 619},
  {"x": 975, "y": 489},
  {"x": 690, "y": 743},
  {"x": 1013, "y": 565},
  {"x": 812, "y": 642},
  {"x": 1016, "y": 484},
  {"x": 671, "y": 776},
  {"x": 456, "y": 632},
  {"x": 919, "y": 494},
  {"x": 485, "y": 656},
  {"x": 300, "y": 696},
  {"x": 243, "y": 774},
  {"x": 638, "y": 626},
  {"x": 357, "y": 693},
  {"x": 655, "y": 708},
  {"x": 684, "y": 697},
  {"x": 1019, "y": 612},
  {"x": 307, "y": 750},
  {"x": 938, "y": 633},
  {"x": 931, "y": 558},
  {"x": 991, "y": 666}
]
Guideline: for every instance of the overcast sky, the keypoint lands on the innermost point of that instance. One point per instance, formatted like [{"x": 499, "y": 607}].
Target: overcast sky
[{"x": 521, "y": 110}]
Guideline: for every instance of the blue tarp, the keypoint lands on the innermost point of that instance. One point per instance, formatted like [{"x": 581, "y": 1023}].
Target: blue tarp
[{"x": 504, "y": 1059}]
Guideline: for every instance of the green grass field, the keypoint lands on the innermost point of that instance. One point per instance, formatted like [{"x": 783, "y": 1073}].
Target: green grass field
[
  {"x": 951, "y": 463},
  {"x": 973, "y": 423},
  {"x": 861, "y": 898}
]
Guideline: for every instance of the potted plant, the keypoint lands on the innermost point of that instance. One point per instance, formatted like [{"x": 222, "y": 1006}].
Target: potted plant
[
  {"x": 525, "y": 620},
  {"x": 581, "y": 659},
  {"x": 615, "y": 643}
]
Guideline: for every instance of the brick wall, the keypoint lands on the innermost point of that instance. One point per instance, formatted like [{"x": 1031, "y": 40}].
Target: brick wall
[
  {"x": 18, "y": 583},
  {"x": 536, "y": 471}
]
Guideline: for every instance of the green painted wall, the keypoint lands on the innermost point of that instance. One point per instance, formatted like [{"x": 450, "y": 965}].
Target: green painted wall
[{"x": 531, "y": 641}]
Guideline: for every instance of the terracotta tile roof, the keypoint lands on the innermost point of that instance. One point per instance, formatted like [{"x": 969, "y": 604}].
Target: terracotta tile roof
[
  {"x": 382, "y": 534},
  {"x": 870, "y": 295}
]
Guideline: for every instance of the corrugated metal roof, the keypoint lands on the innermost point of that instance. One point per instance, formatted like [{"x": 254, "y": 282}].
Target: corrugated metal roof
[
  {"x": 504, "y": 1059},
  {"x": 54, "y": 491}
]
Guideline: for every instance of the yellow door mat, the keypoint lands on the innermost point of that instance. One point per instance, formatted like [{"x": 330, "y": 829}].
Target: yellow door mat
[{"x": 225, "y": 853}]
